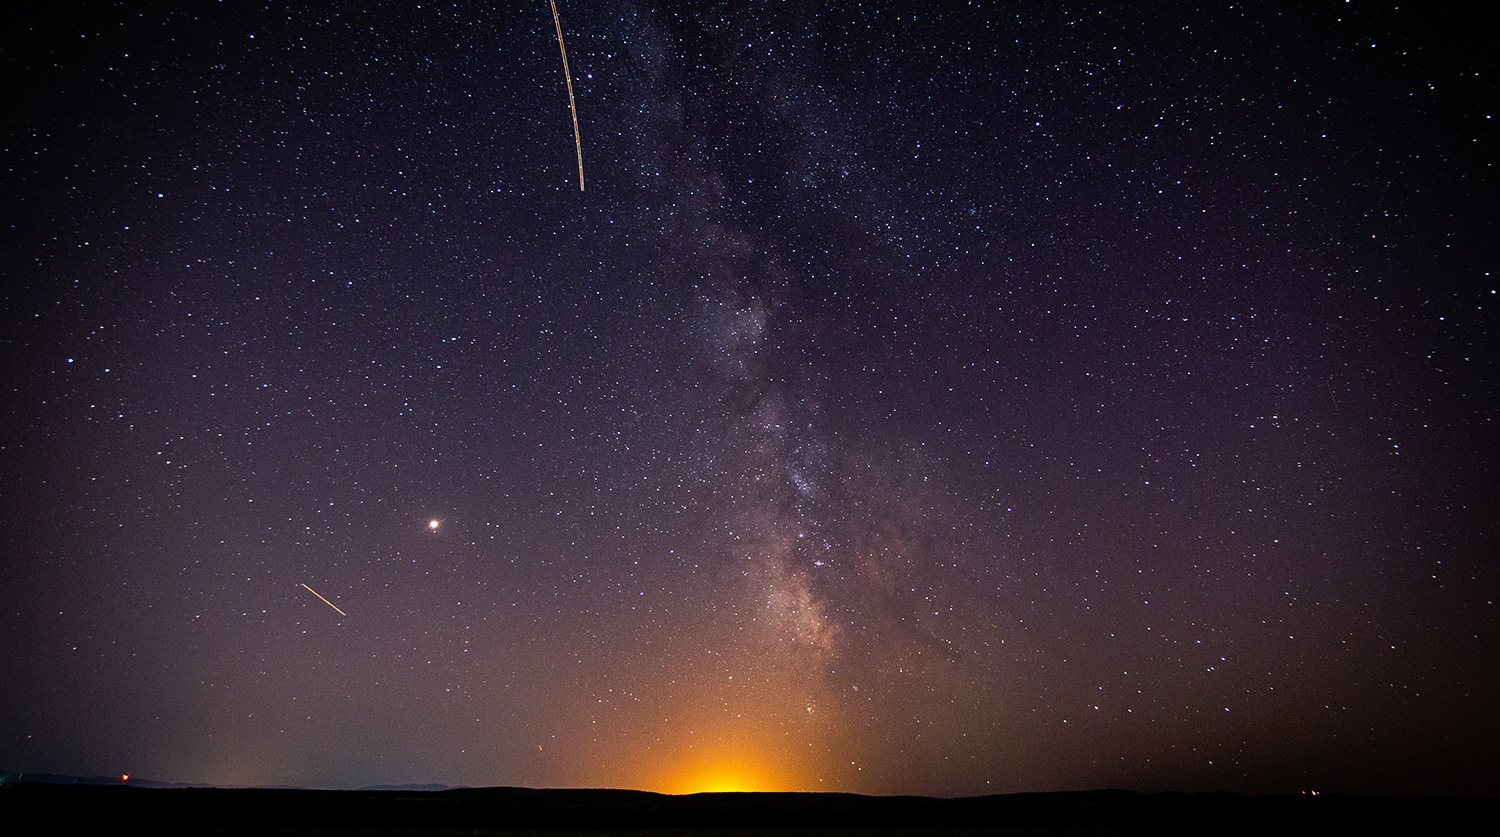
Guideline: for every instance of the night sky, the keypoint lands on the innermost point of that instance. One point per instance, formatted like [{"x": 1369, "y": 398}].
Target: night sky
[{"x": 947, "y": 398}]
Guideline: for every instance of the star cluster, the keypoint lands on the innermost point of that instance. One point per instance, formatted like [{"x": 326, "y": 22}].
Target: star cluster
[{"x": 940, "y": 398}]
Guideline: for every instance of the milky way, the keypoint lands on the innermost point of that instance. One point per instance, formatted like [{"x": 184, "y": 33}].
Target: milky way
[{"x": 943, "y": 399}]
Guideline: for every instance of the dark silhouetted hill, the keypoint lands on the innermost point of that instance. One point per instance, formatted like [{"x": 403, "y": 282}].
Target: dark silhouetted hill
[{"x": 122, "y": 809}]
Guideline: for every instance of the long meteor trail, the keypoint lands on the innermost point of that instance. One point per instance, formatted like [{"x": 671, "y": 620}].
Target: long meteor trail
[
  {"x": 325, "y": 601},
  {"x": 577, "y": 142}
]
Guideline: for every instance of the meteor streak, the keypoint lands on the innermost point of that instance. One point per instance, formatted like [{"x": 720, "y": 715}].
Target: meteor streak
[
  {"x": 577, "y": 143},
  {"x": 325, "y": 601}
]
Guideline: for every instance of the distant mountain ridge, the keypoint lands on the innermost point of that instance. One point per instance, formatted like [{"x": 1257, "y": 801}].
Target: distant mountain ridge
[{"x": 8, "y": 777}]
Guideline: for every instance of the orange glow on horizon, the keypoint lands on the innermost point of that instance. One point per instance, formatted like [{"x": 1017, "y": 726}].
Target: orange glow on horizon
[{"x": 723, "y": 775}]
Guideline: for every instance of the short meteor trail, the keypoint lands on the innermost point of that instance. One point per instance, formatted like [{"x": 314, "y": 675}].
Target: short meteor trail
[
  {"x": 577, "y": 143},
  {"x": 325, "y": 601}
]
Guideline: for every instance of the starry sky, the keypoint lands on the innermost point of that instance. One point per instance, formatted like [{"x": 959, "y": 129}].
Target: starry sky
[{"x": 937, "y": 398}]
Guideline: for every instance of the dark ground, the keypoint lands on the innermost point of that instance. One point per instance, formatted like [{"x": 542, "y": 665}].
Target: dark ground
[{"x": 518, "y": 811}]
